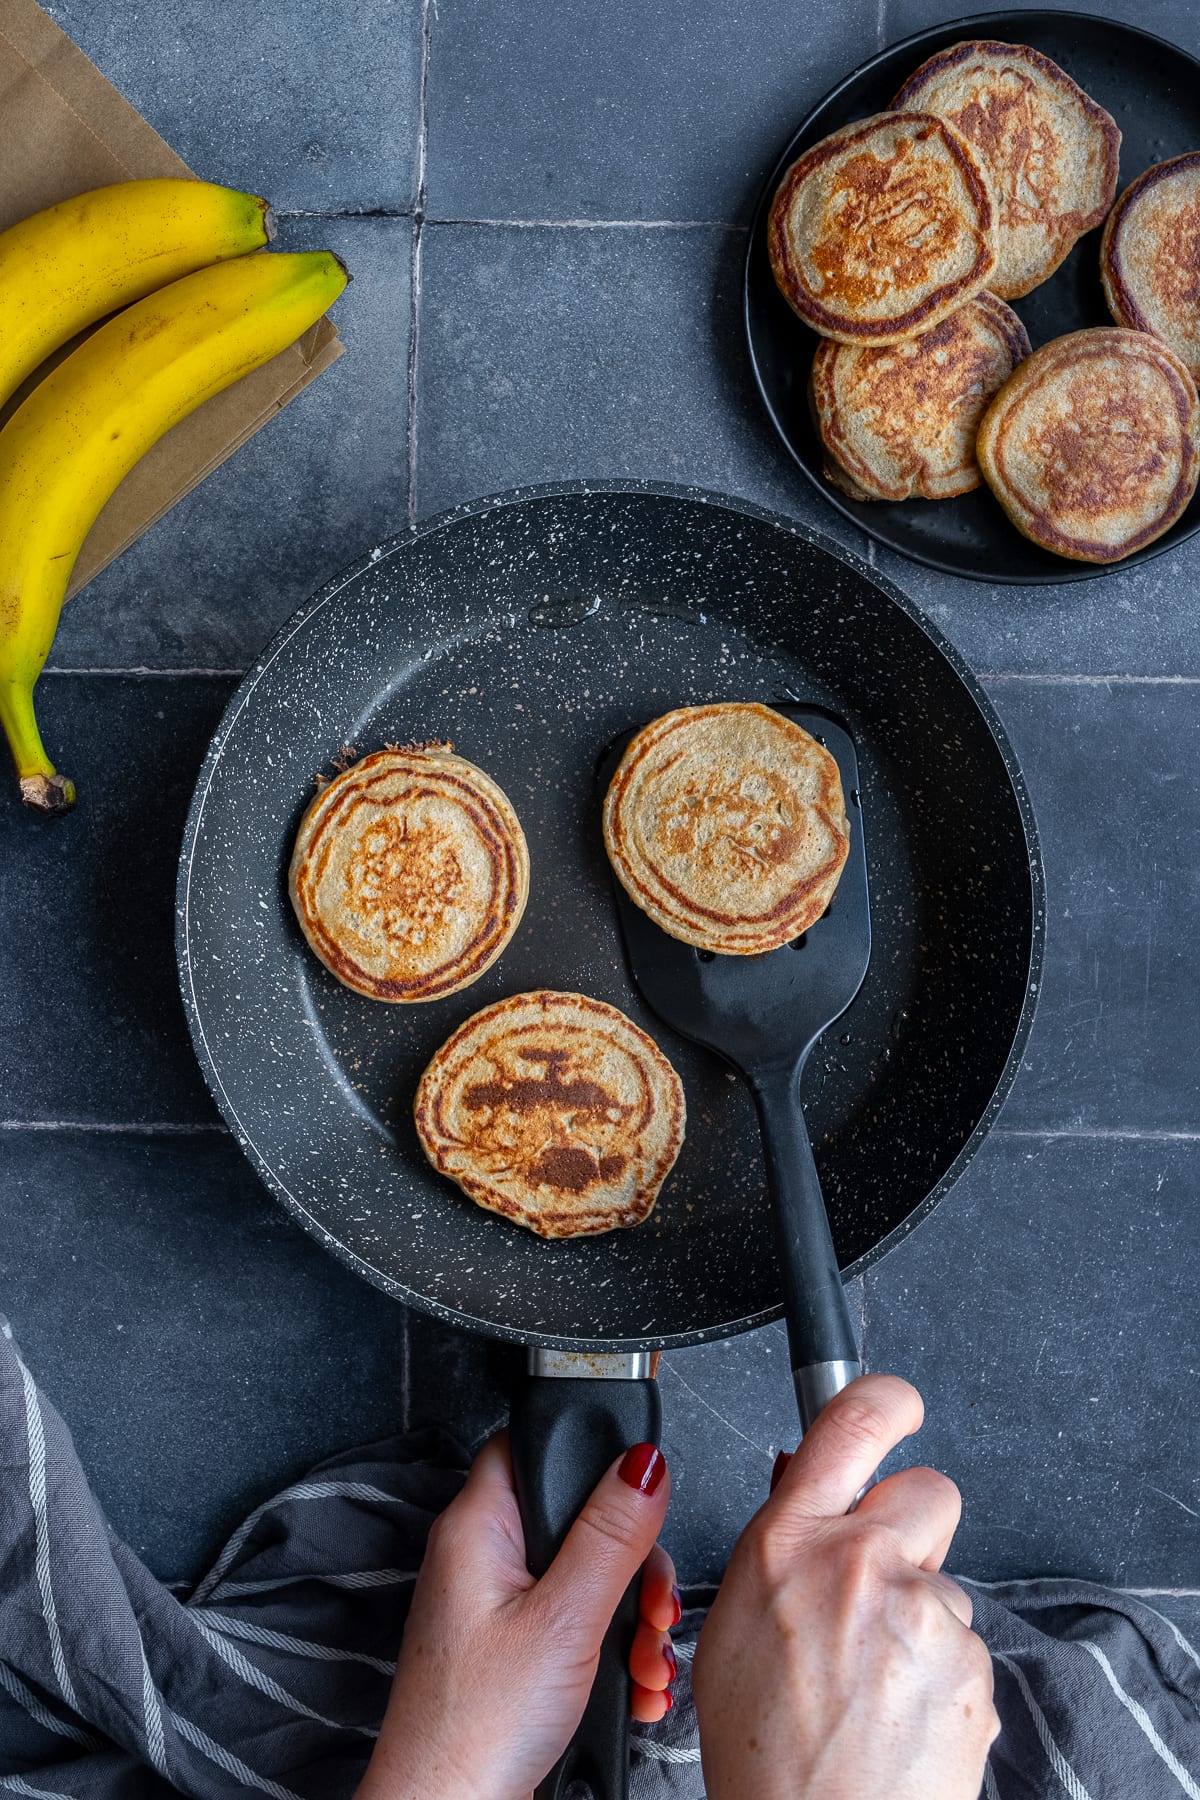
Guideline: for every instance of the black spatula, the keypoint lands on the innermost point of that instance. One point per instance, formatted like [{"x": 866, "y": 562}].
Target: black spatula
[{"x": 763, "y": 1014}]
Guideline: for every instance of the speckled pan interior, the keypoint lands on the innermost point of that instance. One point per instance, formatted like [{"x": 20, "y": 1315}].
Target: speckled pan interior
[{"x": 532, "y": 630}]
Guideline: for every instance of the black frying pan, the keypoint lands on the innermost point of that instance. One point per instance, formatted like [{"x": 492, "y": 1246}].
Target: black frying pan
[{"x": 534, "y": 630}]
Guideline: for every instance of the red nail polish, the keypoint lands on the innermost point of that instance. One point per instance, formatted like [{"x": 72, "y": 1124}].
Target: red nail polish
[
  {"x": 643, "y": 1468},
  {"x": 669, "y": 1659},
  {"x": 677, "y": 1598},
  {"x": 669, "y": 1700},
  {"x": 781, "y": 1463}
]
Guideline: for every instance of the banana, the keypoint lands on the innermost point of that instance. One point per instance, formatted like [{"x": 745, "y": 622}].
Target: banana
[
  {"x": 64, "y": 268},
  {"x": 85, "y": 426}
]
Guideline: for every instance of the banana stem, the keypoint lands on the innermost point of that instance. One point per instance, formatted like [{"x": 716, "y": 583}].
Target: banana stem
[{"x": 41, "y": 785}]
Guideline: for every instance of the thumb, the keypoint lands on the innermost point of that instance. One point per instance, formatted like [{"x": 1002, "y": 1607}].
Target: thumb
[
  {"x": 606, "y": 1546},
  {"x": 843, "y": 1447}
]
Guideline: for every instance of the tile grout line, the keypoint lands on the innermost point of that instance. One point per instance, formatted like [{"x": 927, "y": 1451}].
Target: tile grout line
[
  {"x": 165, "y": 1127},
  {"x": 418, "y": 212},
  {"x": 1119, "y": 1133},
  {"x": 342, "y": 212},
  {"x": 418, "y": 233},
  {"x": 997, "y": 677},
  {"x": 143, "y": 670},
  {"x": 595, "y": 224},
  {"x": 150, "y": 1128},
  {"x": 405, "y": 1373}
]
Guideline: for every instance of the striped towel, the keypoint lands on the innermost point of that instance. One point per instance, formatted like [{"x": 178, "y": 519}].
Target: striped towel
[{"x": 271, "y": 1677}]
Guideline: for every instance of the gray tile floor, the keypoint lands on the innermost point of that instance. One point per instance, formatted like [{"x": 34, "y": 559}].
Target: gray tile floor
[{"x": 544, "y": 211}]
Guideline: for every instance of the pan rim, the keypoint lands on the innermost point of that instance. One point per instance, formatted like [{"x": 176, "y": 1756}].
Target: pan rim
[
  {"x": 975, "y": 25},
  {"x": 598, "y": 488}
]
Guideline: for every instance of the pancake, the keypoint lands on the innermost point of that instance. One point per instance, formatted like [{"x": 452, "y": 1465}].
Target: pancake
[
  {"x": 882, "y": 229},
  {"x": 1150, "y": 257},
  {"x": 1091, "y": 446},
  {"x": 899, "y": 420},
  {"x": 410, "y": 874},
  {"x": 1049, "y": 151},
  {"x": 727, "y": 825},
  {"x": 555, "y": 1111}
]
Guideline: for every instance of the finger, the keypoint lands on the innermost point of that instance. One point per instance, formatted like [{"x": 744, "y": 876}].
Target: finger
[
  {"x": 779, "y": 1468},
  {"x": 922, "y": 1508},
  {"x": 652, "y": 1658},
  {"x": 480, "y": 1533},
  {"x": 647, "y": 1706},
  {"x": 659, "y": 1602},
  {"x": 490, "y": 1491},
  {"x": 845, "y": 1445},
  {"x": 489, "y": 1476},
  {"x": 606, "y": 1546},
  {"x": 953, "y": 1597}
]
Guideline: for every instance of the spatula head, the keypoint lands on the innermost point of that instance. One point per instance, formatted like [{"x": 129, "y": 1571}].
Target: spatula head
[{"x": 762, "y": 1012}]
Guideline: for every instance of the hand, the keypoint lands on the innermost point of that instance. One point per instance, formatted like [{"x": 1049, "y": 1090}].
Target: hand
[
  {"x": 837, "y": 1662},
  {"x": 495, "y": 1667}
]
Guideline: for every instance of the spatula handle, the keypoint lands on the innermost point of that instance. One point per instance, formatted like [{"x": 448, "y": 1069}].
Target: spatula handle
[{"x": 824, "y": 1350}]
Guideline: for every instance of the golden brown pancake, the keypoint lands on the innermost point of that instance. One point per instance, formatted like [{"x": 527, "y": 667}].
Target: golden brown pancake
[
  {"x": 899, "y": 420},
  {"x": 1091, "y": 446},
  {"x": 554, "y": 1110},
  {"x": 1150, "y": 256},
  {"x": 1049, "y": 151},
  {"x": 883, "y": 228},
  {"x": 410, "y": 874},
  {"x": 727, "y": 825}
]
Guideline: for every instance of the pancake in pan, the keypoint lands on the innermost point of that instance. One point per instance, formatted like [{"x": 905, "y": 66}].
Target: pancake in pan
[
  {"x": 882, "y": 229},
  {"x": 555, "y": 1111},
  {"x": 1150, "y": 256},
  {"x": 899, "y": 420},
  {"x": 727, "y": 825},
  {"x": 1091, "y": 446},
  {"x": 1049, "y": 151},
  {"x": 410, "y": 874}
]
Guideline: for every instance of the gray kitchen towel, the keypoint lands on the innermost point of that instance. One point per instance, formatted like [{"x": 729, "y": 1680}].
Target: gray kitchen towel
[{"x": 271, "y": 1677}]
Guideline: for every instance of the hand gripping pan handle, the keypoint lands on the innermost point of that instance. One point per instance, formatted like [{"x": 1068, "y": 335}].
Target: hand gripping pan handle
[{"x": 570, "y": 1421}]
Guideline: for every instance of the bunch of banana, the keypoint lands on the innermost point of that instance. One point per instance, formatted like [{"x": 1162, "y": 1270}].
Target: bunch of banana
[
  {"x": 66, "y": 267},
  {"x": 85, "y": 425}
]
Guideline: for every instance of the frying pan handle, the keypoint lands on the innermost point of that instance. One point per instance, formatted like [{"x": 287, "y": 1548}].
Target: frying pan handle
[
  {"x": 824, "y": 1350},
  {"x": 566, "y": 1429}
]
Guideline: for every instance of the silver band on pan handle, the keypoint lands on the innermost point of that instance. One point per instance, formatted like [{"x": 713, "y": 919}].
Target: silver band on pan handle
[
  {"x": 574, "y": 1365},
  {"x": 818, "y": 1383},
  {"x": 816, "y": 1386}
]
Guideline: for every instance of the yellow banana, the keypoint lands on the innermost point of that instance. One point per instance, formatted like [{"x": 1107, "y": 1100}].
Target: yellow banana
[
  {"x": 64, "y": 268},
  {"x": 84, "y": 427}
]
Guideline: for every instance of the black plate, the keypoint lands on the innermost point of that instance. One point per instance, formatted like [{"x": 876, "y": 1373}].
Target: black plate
[
  {"x": 534, "y": 630},
  {"x": 1152, "y": 89}
]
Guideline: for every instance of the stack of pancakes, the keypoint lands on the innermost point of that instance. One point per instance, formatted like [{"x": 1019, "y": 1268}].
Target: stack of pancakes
[{"x": 900, "y": 239}]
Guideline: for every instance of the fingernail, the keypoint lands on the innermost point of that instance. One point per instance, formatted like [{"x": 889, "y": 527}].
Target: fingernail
[
  {"x": 668, "y": 1697},
  {"x": 677, "y": 1597},
  {"x": 669, "y": 1659},
  {"x": 781, "y": 1463},
  {"x": 643, "y": 1468}
]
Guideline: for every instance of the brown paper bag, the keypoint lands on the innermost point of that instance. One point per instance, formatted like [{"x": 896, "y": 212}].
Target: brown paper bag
[{"x": 65, "y": 129}]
